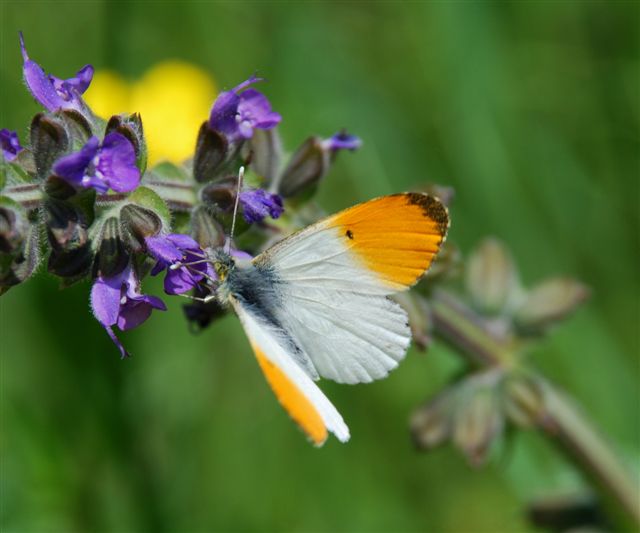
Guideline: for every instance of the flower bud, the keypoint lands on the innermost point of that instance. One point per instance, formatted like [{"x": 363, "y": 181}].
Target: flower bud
[
  {"x": 58, "y": 188},
  {"x": 222, "y": 194},
  {"x": 137, "y": 224},
  {"x": 305, "y": 169},
  {"x": 430, "y": 424},
  {"x": 478, "y": 419},
  {"x": 13, "y": 225},
  {"x": 211, "y": 152},
  {"x": 131, "y": 127},
  {"x": 77, "y": 125},
  {"x": 264, "y": 150},
  {"x": 49, "y": 140},
  {"x": 69, "y": 240},
  {"x": 549, "y": 302},
  {"x": 206, "y": 229},
  {"x": 491, "y": 277},
  {"x": 112, "y": 257},
  {"x": 22, "y": 263}
]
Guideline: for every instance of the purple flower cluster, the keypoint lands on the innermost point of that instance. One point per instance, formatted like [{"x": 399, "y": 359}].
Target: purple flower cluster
[{"x": 134, "y": 232}]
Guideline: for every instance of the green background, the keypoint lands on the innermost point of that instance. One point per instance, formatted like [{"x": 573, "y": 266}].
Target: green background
[{"x": 529, "y": 109}]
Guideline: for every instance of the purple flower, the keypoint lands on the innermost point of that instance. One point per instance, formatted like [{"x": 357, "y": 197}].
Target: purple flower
[
  {"x": 10, "y": 144},
  {"x": 117, "y": 301},
  {"x": 187, "y": 265},
  {"x": 342, "y": 141},
  {"x": 51, "y": 92},
  {"x": 110, "y": 165},
  {"x": 237, "y": 114},
  {"x": 257, "y": 204}
]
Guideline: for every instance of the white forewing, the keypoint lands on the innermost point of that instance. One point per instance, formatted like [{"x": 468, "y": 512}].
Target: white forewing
[
  {"x": 266, "y": 339},
  {"x": 317, "y": 258}
]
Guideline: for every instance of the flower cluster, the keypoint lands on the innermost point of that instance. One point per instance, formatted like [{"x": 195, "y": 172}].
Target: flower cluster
[{"x": 79, "y": 196}]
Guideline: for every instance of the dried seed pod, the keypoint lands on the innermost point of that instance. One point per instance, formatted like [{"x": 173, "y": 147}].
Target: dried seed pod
[
  {"x": 491, "y": 277},
  {"x": 548, "y": 303}
]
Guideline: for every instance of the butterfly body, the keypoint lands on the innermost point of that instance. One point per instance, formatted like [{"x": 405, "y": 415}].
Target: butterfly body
[{"x": 317, "y": 303}]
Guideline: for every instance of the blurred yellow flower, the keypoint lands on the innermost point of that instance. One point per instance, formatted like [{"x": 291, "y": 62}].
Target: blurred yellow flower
[{"x": 174, "y": 98}]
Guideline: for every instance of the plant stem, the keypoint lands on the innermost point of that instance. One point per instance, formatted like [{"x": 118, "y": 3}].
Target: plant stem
[
  {"x": 566, "y": 425},
  {"x": 29, "y": 195}
]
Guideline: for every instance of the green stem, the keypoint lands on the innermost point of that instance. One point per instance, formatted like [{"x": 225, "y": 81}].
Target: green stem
[{"x": 565, "y": 424}]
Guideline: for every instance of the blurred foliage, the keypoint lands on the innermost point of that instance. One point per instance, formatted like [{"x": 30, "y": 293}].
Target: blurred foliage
[{"x": 529, "y": 110}]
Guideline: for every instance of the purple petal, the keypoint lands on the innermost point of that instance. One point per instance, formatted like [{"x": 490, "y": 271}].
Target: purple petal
[
  {"x": 39, "y": 84},
  {"x": 184, "y": 242},
  {"x": 73, "y": 167},
  {"x": 136, "y": 310},
  {"x": 223, "y": 113},
  {"x": 81, "y": 81},
  {"x": 163, "y": 249},
  {"x": 180, "y": 280},
  {"x": 268, "y": 121},
  {"x": 10, "y": 144},
  {"x": 342, "y": 141},
  {"x": 117, "y": 163},
  {"x": 245, "y": 129},
  {"x": 255, "y": 108},
  {"x": 105, "y": 299},
  {"x": 257, "y": 204},
  {"x": 253, "y": 79},
  {"x": 255, "y": 104},
  {"x": 123, "y": 353}
]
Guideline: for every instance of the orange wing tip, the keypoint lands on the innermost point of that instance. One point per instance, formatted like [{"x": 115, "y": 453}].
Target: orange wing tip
[
  {"x": 300, "y": 409},
  {"x": 396, "y": 236}
]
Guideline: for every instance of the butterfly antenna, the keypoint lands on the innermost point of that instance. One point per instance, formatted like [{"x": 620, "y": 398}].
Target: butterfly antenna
[{"x": 235, "y": 209}]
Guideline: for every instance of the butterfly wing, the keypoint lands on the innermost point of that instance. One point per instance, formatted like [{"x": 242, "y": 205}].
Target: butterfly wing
[
  {"x": 335, "y": 276},
  {"x": 293, "y": 387}
]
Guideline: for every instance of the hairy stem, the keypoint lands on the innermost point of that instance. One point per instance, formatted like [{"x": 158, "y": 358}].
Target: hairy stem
[
  {"x": 29, "y": 195},
  {"x": 566, "y": 424}
]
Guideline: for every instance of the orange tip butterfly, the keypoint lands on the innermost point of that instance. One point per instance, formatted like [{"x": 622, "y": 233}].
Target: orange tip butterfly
[{"x": 316, "y": 304}]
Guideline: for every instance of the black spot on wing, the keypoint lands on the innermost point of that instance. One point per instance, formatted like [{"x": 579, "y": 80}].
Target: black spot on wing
[{"x": 349, "y": 234}]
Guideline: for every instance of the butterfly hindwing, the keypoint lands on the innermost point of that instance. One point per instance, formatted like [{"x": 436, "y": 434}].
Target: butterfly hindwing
[{"x": 295, "y": 390}]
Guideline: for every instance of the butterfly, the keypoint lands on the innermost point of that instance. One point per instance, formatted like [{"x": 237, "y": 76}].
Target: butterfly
[{"x": 316, "y": 304}]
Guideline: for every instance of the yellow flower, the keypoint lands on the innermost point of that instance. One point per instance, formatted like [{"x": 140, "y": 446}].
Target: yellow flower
[{"x": 174, "y": 98}]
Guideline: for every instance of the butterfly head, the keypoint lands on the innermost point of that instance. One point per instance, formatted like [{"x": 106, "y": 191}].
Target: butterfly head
[{"x": 222, "y": 263}]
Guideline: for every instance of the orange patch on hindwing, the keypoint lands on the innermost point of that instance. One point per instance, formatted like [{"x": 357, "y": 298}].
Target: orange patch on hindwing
[
  {"x": 395, "y": 236},
  {"x": 293, "y": 400}
]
